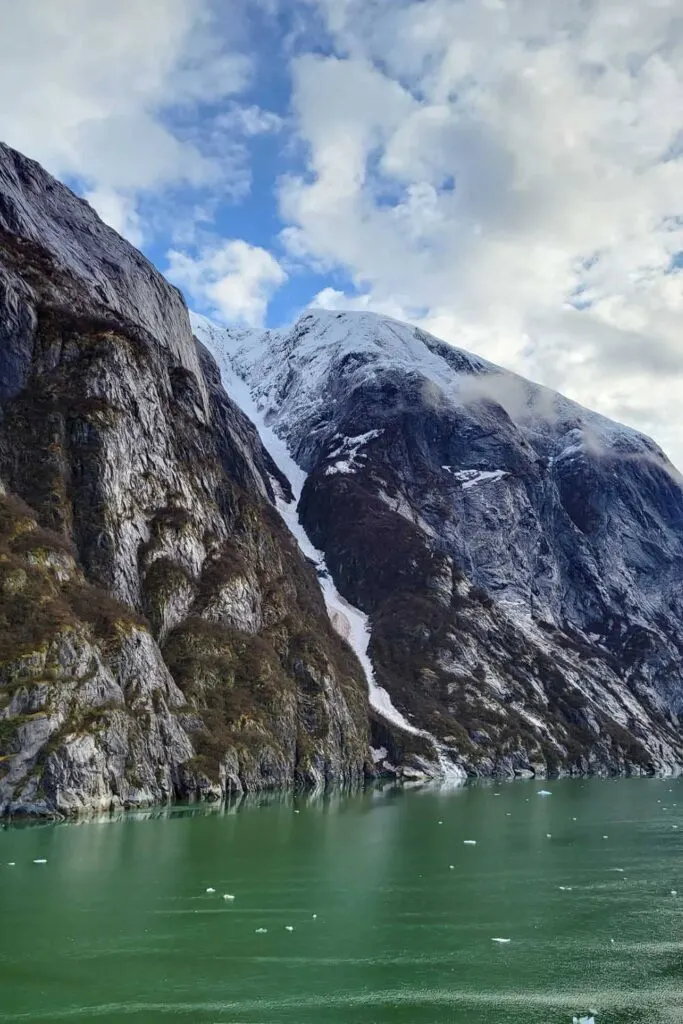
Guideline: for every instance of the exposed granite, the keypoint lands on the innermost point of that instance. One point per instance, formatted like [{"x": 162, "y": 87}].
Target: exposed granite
[{"x": 161, "y": 636}]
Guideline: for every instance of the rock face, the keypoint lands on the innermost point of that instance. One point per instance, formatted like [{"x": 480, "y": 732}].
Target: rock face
[
  {"x": 519, "y": 557},
  {"x": 161, "y": 635},
  {"x": 229, "y": 560}
]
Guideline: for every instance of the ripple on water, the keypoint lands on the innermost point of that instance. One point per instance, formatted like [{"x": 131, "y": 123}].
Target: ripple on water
[{"x": 117, "y": 924}]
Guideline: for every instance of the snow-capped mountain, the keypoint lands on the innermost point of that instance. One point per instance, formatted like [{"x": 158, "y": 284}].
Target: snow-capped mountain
[
  {"x": 316, "y": 556},
  {"x": 518, "y": 557}
]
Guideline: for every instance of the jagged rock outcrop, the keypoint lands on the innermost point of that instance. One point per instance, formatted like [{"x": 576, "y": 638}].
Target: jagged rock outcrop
[
  {"x": 520, "y": 558},
  {"x": 161, "y": 635}
]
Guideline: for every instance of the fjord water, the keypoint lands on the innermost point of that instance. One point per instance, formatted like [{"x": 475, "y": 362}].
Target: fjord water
[{"x": 118, "y": 925}]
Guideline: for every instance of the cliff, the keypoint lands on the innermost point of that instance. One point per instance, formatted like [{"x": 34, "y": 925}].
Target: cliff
[
  {"x": 519, "y": 558},
  {"x": 161, "y": 635},
  {"x": 235, "y": 560}
]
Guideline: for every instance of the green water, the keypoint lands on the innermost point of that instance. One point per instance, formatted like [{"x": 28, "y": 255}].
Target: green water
[{"x": 117, "y": 924}]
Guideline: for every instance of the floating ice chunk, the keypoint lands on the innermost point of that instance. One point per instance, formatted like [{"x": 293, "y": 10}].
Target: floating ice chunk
[
  {"x": 289, "y": 928},
  {"x": 261, "y": 931},
  {"x": 210, "y": 889},
  {"x": 469, "y": 842},
  {"x": 545, "y": 792},
  {"x": 228, "y": 896},
  {"x": 40, "y": 860},
  {"x": 500, "y": 940}
]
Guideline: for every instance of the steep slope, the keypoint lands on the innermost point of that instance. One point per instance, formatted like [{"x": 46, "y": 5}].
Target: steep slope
[
  {"x": 426, "y": 754},
  {"x": 519, "y": 557},
  {"x": 161, "y": 635}
]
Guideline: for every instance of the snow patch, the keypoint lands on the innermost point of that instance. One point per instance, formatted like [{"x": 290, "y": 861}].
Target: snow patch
[
  {"x": 471, "y": 477},
  {"x": 349, "y": 448}
]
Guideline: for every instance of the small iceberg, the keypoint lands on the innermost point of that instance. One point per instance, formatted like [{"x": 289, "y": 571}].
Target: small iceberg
[{"x": 502, "y": 941}]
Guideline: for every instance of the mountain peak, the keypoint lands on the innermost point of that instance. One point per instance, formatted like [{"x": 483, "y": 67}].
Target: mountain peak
[
  {"x": 359, "y": 345},
  {"x": 485, "y": 524}
]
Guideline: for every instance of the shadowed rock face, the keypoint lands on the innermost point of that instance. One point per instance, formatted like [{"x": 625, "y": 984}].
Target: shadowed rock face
[
  {"x": 521, "y": 558},
  {"x": 161, "y": 635}
]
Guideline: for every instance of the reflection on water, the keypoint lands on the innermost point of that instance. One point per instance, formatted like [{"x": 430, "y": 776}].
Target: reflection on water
[{"x": 357, "y": 908}]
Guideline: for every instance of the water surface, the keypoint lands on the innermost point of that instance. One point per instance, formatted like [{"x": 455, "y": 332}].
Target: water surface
[{"x": 117, "y": 925}]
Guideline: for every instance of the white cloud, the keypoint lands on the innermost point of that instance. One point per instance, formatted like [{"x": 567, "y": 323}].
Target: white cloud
[
  {"x": 332, "y": 298},
  {"x": 234, "y": 281},
  {"x": 88, "y": 89},
  {"x": 250, "y": 120},
  {"x": 118, "y": 211},
  {"x": 483, "y": 168},
  {"x": 506, "y": 173}
]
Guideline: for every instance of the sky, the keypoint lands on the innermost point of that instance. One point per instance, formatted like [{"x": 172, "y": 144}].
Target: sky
[{"x": 507, "y": 174}]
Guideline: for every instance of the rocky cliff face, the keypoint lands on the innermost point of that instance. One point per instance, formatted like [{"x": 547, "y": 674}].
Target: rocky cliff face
[
  {"x": 161, "y": 635},
  {"x": 228, "y": 558},
  {"x": 520, "y": 558}
]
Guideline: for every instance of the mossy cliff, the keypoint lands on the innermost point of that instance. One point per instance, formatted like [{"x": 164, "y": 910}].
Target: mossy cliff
[{"x": 161, "y": 636}]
